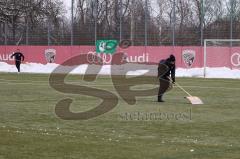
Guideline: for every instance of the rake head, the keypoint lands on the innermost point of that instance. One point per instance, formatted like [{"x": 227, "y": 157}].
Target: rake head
[{"x": 194, "y": 100}]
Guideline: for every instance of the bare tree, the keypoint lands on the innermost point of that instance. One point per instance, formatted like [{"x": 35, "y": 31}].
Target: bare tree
[
  {"x": 18, "y": 14},
  {"x": 21, "y": 20}
]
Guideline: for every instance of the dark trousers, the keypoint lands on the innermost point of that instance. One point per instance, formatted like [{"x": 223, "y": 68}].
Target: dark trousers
[
  {"x": 18, "y": 63},
  {"x": 164, "y": 86}
]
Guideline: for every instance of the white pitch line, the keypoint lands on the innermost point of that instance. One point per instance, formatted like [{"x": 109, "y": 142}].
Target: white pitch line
[
  {"x": 28, "y": 82},
  {"x": 44, "y": 132},
  {"x": 212, "y": 87}
]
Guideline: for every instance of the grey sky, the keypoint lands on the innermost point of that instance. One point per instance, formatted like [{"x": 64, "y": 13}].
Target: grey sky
[{"x": 68, "y": 6}]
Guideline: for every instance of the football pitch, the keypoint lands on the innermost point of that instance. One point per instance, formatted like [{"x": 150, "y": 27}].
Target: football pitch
[{"x": 175, "y": 129}]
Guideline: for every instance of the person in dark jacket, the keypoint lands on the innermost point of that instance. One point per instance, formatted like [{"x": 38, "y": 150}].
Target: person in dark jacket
[
  {"x": 18, "y": 57},
  {"x": 166, "y": 68}
]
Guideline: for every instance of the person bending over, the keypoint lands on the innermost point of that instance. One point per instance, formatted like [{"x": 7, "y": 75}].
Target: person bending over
[{"x": 166, "y": 68}]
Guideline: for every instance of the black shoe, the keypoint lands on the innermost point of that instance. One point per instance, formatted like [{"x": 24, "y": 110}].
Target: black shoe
[{"x": 161, "y": 100}]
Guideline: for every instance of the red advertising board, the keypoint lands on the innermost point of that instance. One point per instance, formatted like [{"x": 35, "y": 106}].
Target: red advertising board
[{"x": 187, "y": 56}]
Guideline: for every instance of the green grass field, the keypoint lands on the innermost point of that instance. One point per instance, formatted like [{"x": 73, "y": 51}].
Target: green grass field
[{"x": 29, "y": 127}]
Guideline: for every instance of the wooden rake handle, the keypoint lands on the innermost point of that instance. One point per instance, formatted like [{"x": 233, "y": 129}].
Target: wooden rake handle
[{"x": 183, "y": 89}]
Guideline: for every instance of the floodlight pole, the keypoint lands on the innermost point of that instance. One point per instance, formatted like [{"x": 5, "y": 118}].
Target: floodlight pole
[
  {"x": 95, "y": 18},
  {"x": 49, "y": 32},
  {"x": 202, "y": 20},
  {"x": 173, "y": 23},
  {"x": 5, "y": 32},
  {"x": 233, "y": 4},
  {"x": 72, "y": 22},
  {"x": 27, "y": 31},
  {"x": 146, "y": 21},
  {"x": 121, "y": 15}
]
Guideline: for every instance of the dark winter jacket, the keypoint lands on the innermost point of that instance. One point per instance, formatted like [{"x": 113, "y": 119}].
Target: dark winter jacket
[
  {"x": 165, "y": 69},
  {"x": 18, "y": 56}
]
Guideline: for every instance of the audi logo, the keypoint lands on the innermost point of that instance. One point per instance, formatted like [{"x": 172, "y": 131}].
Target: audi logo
[
  {"x": 235, "y": 59},
  {"x": 93, "y": 58}
]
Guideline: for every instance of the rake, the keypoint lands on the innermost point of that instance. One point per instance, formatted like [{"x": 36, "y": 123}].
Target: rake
[{"x": 193, "y": 99}]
